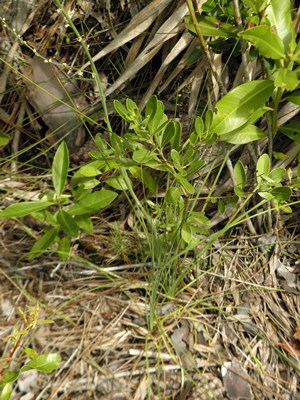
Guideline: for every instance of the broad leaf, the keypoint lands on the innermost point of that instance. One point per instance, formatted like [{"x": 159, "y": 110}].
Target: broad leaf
[
  {"x": 43, "y": 363},
  {"x": 244, "y": 135},
  {"x": 267, "y": 42},
  {"x": 60, "y": 168},
  {"x": 263, "y": 166},
  {"x": 6, "y": 392},
  {"x": 286, "y": 79},
  {"x": 292, "y": 131},
  {"x": 93, "y": 202},
  {"x": 67, "y": 223},
  {"x": 237, "y": 107},
  {"x": 279, "y": 14},
  {"x": 25, "y": 208}
]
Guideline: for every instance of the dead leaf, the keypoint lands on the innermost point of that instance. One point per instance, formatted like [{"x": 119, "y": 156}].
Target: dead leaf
[
  {"x": 297, "y": 332},
  {"x": 237, "y": 388},
  {"x": 293, "y": 348}
]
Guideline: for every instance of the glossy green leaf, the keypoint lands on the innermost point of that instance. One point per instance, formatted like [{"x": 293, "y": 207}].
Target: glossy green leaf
[
  {"x": 43, "y": 363},
  {"x": 237, "y": 107},
  {"x": 277, "y": 175},
  {"x": 67, "y": 223},
  {"x": 286, "y": 79},
  {"x": 279, "y": 14},
  {"x": 6, "y": 391},
  {"x": 25, "y": 208},
  {"x": 42, "y": 244},
  {"x": 93, "y": 202},
  {"x": 267, "y": 42},
  {"x": 60, "y": 168},
  {"x": 239, "y": 174},
  {"x": 154, "y": 111},
  {"x": 243, "y": 135},
  {"x": 263, "y": 166}
]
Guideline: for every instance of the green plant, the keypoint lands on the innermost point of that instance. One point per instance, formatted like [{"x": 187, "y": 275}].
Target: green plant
[
  {"x": 64, "y": 214},
  {"x": 46, "y": 362}
]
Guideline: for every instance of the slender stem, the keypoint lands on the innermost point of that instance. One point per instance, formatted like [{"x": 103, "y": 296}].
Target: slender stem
[
  {"x": 239, "y": 24},
  {"x": 204, "y": 46}
]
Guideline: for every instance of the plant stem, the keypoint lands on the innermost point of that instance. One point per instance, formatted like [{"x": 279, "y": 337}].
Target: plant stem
[{"x": 204, "y": 46}]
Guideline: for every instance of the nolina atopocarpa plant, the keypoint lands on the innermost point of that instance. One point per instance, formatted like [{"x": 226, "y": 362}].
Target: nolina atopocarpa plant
[{"x": 46, "y": 362}]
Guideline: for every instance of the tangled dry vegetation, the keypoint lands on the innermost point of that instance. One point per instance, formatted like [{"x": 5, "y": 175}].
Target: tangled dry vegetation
[{"x": 230, "y": 329}]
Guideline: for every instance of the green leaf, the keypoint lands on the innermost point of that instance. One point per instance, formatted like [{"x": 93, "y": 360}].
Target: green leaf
[
  {"x": 25, "y": 208},
  {"x": 263, "y": 166},
  {"x": 4, "y": 138},
  {"x": 11, "y": 376},
  {"x": 42, "y": 244},
  {"x": 244, "y": 135},
  {"x": 291, "y": 130},
  {"x": 199, "y": 126},
  {"x": 279, "y": 14},
  {"x": 267, "y": 42},
  {"x": 6, "y": 392},
  {"x": 237, "y": 107},
  {"x": 145, "y": 178},
  {"x": 168, "y": 134},
  {"x": 186, "y": 232},
  {"x": 84, "y": 222},
  {"x": 60, "y": 168},
  {"x": 211, "y": 26},
  {"x": 30, "y": 352},
  {"x": 67, "y": 223},
  {"x": 172, "y": 195},
  {"x": 122, "y": 111},
  {"x": 117, "y": 182},
  {"x": 286, "y": 79},
  {"x": 43, "y": 363},
  {"x": 194, "y": 167},
  {"x": 294, "y": 98},
  {"x": 277, "y": 175},
  {"x": 63, "y": 248},
  {"x": 240, "y": 175},
  {"x": 282, "y": 193},
  {"x": 185, "y": 184},
  {"x": 93, "y": 202},
  {"x": 145, "y": 156},
  {"x": 154, "y": 111}
]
